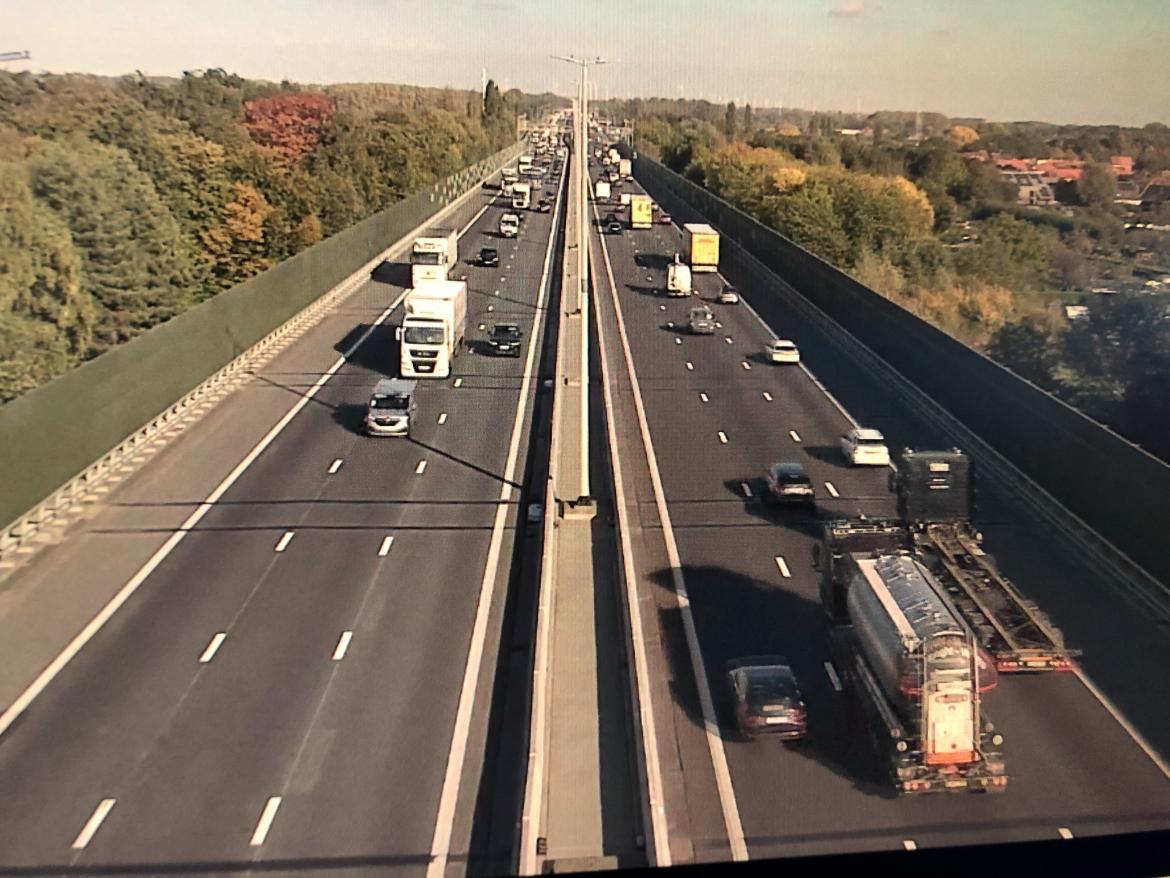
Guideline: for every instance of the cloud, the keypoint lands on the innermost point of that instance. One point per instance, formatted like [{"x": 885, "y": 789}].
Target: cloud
[{"x": 847, "y": 8}]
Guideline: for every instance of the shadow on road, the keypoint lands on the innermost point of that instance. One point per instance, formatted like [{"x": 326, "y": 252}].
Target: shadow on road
[
  {"x": 378, "y": 353},
  {"x": 396, "y": 273},
  {"x": 738, "y": 615}
]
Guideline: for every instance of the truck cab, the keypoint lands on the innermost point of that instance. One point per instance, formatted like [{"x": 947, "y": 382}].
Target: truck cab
[
  {"x": 509, "y": 225},
  {"x": 521, "y": 195},
  {"x": 391, "y": 408}
]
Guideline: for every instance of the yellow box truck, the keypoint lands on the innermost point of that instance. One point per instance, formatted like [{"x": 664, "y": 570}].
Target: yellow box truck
[
  {"x": 640, "y": 213},
  {"x": 702, "y": 247}
]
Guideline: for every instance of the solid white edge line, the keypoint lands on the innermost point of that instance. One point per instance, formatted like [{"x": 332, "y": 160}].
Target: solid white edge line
[
  {"x": 831, "y": 488},
  {"x": 342, "y": 645},
  {"x": 726, "y": 790},
  {"x": 833, "y": 678},
  {"x": 213, "y": 647},
  {"x": 445, "y": 818},
  {"x": 659, "y": 825},
  {"x": 335, "y": 466},
  {"x": 20, "y": 705},
  {"x": 265, "y": 822},
  {"x": 92, "y": 825},
  {"x": 1162, "y": 764},
  {"x": 783, "y": 565},
  {"x": 285, "y": 540},
  {"x": 384, "y": 549}
]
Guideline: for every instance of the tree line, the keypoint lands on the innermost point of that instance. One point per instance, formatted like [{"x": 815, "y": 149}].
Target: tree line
[{"x": 124, "y": 201}]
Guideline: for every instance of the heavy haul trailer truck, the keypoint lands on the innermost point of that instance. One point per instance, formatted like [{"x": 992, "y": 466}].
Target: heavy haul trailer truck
[
  {"x": 935, "y": 509},
  {"x": 915, "y": 669}
]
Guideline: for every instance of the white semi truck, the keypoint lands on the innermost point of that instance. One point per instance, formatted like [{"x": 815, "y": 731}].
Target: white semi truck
[
  {"x": 432, "y": 329},
  {"x": 434, "y": 254}
]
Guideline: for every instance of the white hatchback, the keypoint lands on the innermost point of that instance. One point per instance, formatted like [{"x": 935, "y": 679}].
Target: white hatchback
[
  {"x": 781, "y": 350},
  {"x": 864, "y": 447}
]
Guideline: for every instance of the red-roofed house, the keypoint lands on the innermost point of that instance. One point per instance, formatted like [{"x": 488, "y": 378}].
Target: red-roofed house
[{"x": 1122, "y": 166}]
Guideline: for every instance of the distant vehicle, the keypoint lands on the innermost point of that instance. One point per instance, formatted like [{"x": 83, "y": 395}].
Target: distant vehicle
[
  {"x": 614, "y": 179},
  {"x": 544, "y": 205},
  {"x": 433, "y": 255},
  {"x": 702, "y": 247},
  {"x": 521, "y": 196},
  {"x": 766, "y": 697},
  {"x": 613, "y": 225},
  {"x": 432, "y": 328},
  {"x": 601, "y": 190},
  {"x": 701, "y": 321},
  {"x": 654, "y": 206},
  {"x": 665, "y": 218},
  {"x": 729, "y": 295},
  {"x": 391, "y": 407},
  {"x": 640, "y": 215},
  {"x": 678, "y": 278},
  {"x": 524, "y": 164},
  {"x": 509, "y": 225},
  {"x": 781, "y": 350},
  {"x": 789, "y": 483},
  {"x": 489, "y": 257},
  {"x": 504, "y": 339},
  {"x": 865, "y": 447},
  {"x": 625, "y": 168}
]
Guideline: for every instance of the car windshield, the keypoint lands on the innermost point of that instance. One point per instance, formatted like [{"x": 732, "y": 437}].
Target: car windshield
[
  {"x": 871, "y": 442},
  {"x": 768, "y": 685},
  {"x": 423, "y": 335},
  {"x": 426, "y": 258},
  {"x": 791, "y": 475},
  {"x": 395, "y": 401},
  {"x": 506, "y": 332}
]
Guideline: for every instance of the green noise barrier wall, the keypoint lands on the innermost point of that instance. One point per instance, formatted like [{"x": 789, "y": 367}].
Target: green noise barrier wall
[
  {"x": 56, "y": 431},
  {"x": 1119, "y": 490}
]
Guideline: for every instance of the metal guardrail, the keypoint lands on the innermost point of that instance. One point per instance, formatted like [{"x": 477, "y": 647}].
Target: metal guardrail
[{"x": 209, "y": 328}]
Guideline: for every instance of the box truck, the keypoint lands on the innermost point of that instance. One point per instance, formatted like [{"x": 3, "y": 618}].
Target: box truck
[{"x": 433, "y": 328}]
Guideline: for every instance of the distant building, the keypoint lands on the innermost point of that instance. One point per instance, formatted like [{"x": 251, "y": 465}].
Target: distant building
[
  {"x": 1030, "y": 188},
  {"x": 1076, "y": 312},
  {"x": 1157, "y": 192},
  {"x": 1060, "y": 170},
  {"x": 1122, "y": 166}
]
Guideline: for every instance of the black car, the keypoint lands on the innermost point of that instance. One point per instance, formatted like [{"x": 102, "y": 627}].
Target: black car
[
  {"x": 766, "y": 697},
  {"x": 505, "y": 339},
  {"x": 544, "y": 205},
  {"x": 789, "y": 483},
  {"x": 613, "y": 227},
  {"x": 489, "y": 257}
]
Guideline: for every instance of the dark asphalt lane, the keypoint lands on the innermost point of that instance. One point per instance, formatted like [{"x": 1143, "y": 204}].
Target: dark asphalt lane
[
  {"x": 1072, "y": 765},
  {"x": 357, "y": 747}
]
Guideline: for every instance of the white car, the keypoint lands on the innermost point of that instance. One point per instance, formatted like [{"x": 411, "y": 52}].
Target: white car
[
  {"x": 729, "y": 295},
  {"x": 781, "y": 350},
  {"x": 509, "y": 225},
  {"x": 864, "y": 447}
]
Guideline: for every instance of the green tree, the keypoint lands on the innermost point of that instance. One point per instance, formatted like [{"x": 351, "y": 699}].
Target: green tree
[
  {"x": 1011, "y": 252},
  {"x": 46, "y": 320},
  {"x": 1097, "y": 187},
  {"x": 1029, "y": 350},
  {"x": 135, "y": 263},
  {"x": 748, "y": 124},
  {"x": 729, "y": 121}
]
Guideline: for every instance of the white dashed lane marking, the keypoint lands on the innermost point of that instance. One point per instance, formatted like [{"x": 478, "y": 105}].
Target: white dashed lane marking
[
  {"x": 795, "y": 436},
  {"x": 91, "y": 826},
  {"x": 285, "y": 540},
  {"x": 421, "y": 468},
  {"x": 384, "y": 549},
  {"x": 722, "y": 437},
  {"x": 212, "y": 648},
  {"x": 832, "y": 490},
  {"x": 335, "y": 466},
  {"x": 265, "y": 823},
  {"x": 783, "y": 565}
]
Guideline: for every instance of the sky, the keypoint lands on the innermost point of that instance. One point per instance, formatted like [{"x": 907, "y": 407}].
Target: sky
[{"x": 1064, "y": 61}]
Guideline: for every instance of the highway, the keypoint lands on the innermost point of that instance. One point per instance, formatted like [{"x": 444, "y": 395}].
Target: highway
[
  {"x": 304, "y": 680},
  {"x": 718, "y": 414}
]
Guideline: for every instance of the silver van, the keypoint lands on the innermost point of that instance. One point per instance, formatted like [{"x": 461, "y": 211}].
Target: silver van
[{"x": 391, "y": 407}]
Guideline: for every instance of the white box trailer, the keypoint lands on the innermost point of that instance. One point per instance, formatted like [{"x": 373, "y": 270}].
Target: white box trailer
[{"x": 432, "y": 329}]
